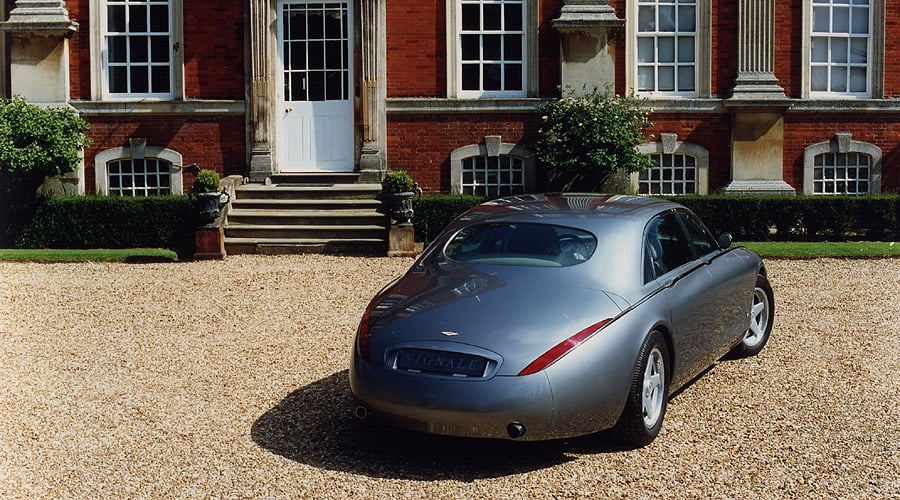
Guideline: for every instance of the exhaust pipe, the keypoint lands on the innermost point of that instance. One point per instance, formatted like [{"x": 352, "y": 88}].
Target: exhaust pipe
[
  {"x": 515, "y": 430},
  {"x": 361, "y": 412}
]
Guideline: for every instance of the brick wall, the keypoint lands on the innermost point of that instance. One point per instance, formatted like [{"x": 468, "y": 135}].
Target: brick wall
[
  {"x": 805, "y": 129},
  {"x": 215, "y": 143},
  {"x": 213, "y": 50},
  {"x": 416, "y": 49},
  {"x": 421, "y": 144},
  {"x": 712, "y": 131}
]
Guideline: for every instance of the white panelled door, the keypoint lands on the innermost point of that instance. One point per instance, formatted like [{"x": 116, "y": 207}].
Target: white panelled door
[{"x": 316, "y": 123}]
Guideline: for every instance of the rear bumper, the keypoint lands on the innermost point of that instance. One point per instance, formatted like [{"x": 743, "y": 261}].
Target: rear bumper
[{"x": 466, "y": 408}]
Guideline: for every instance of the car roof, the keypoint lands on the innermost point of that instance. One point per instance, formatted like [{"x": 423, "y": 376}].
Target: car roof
[{"x": 576, "y": 208}]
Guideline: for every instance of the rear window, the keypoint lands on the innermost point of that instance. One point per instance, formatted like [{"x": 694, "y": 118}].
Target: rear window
[{"x": 522, "y": 244}]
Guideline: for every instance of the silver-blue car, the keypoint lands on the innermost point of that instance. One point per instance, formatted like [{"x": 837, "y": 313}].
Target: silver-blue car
[{"x": 549, "y": 316}]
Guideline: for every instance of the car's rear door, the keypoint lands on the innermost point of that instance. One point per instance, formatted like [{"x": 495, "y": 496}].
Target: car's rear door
[{"x": 686, "y": 282}]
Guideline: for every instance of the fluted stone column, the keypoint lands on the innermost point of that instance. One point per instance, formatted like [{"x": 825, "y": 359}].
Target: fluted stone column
[
  {"x": 758, "y": 104},
  {"x": 585, "y": 56},
  {"x": 262, "y": 92},
  {"x": 756, "y": 51},
  {"x": 373, "y": 90}
]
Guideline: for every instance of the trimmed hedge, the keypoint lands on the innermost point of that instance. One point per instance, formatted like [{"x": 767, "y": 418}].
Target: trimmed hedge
[
  {"x": 799, "y": 218},
  {"x": 746, "y": 217},
  {"x": 433, "y": 212},
  {"x": 111, "y": 222}
]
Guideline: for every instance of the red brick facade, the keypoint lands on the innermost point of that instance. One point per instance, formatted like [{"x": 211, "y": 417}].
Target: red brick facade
[{"x": 217, "y": 46}]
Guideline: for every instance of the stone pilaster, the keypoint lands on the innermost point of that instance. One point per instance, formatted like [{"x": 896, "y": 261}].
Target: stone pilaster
[
  {"x": 373, "y": 88},
  {"x": 585, "y": 55},
  {"x": 262, "y": 101},
  {"x": 756, "y": 52},
  {"x": 38, "y": 50}
]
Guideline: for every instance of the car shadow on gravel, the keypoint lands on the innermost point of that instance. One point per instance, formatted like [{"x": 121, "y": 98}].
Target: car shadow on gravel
[{"x": 314, "y": 425}]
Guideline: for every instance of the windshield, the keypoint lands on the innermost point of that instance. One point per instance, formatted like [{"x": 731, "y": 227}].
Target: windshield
[{"x": 521, "y": 244}]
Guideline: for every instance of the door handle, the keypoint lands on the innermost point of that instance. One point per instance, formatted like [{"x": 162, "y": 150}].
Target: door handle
[{"x": 289, "y": 110}]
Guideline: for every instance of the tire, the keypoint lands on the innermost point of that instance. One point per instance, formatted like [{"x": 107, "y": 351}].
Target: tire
[
  {"x": 762, "y": 316},
  {"x": 648, "y": 397}
]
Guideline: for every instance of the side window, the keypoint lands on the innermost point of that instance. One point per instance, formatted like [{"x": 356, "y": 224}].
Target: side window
[
  {"x": 699, "y": 236},
  {"x": 666, "y": 247}
]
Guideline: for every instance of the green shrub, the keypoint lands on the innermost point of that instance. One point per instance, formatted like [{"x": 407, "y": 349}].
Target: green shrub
[
  {"x": 35, "y": 143},
  {"x": 79, "y": 222},
  {"x": 397, "y": 181},
  {"x": 585, "y": 139},
  {"x": 207, "y": 181},
  {"x": 433, "y": 212}
]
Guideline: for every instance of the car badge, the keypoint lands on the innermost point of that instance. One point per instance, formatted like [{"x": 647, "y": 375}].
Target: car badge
[{"x": 449, "y": 334}]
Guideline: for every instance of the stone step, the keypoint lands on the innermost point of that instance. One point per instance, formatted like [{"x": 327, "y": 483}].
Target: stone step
[
  {"x": 305, "y": 204},
  {"x": 315, "y": 178},
  {"x": 314, "y": 192},
  {"x": 279, "y": 246},
  {"x": 312, "y": 217},
  {"x": 305, "y": 232}
]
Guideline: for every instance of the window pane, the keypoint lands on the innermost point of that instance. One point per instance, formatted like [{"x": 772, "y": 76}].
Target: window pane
[
  {"x": 839, "y": 79},
  {"x": 685, "y": 49},
  {"x": 512, "y": 47},
  {"x": 667, "y": 79},
  {"x": 839, "y": 50},
  {"x": 492, "y": 17},
  {"x": 492, "y": 77},
  {"x": 840, "y": 19},
  {"x": 646, "y": 78},
  {"x": 819, "y": 49},
  {"x": 159, "y": 49},
  {"x": 646, "y": 50},
  {"x": 118, "y": 79},
  {"x": 859, "y": 50},
  {"x": 115, "y": 18},
  {"x": 140, "y": 79},
  {"x": 685, "y": 78},
  {"x": 646, "y": 19},
  {"x": 159, "y": 18},
  {"x": 316, "y": 86},
  {"x": 118, "y": 49},
  {"x": 666, "y": 18},
  {"x": 161, "y": 80},
  {"x": 512, "y": 16},
  {"x": 137, "y": 19},
  {"x": 471, "y": 50},
  {"x": 859, "y": 79},
  {"x": 666, "y": 50},
  {"x": 316, "y": 55},
  {"x": 819, "y": 79},
  {"x": 513, "y": 77},
  {"x": 860, "y": 21},
  {"x": 471, "y": 77},
  {"x": 821, "y": 20},
  {"x": 491, "y": 48},
  {"x": 471, "y": 17},
  {"x": 687, "y": 19}
]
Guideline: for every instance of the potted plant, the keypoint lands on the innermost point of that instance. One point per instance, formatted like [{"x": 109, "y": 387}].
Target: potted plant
[
  {"x": 207, "y": 198},
  {"x": 399, "y": 189}
]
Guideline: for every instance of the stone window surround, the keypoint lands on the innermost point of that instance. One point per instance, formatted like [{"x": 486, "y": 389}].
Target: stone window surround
[
  {"x": 530, "y": 57},
  {"x": 842, "y": 143},
  {"x": 703, "y": 46},
  {"x": 876, "y": 58},
  {"x": 98, "y": 72},
  {"x": 669, "y": 144},
  {"x": 492, "y": 146},
  {"x": 137, "y": 150}
]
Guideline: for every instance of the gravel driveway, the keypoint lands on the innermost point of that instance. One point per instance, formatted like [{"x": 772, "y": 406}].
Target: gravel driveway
[{"x": 228, "y": 379}]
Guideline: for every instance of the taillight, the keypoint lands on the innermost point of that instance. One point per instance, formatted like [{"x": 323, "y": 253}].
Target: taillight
[
  {"x": 560, "y": 350},
  {"x": 363, "y": 333}
]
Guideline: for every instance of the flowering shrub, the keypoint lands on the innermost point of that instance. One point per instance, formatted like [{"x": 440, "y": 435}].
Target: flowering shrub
[{"x": 585, "y": 139}]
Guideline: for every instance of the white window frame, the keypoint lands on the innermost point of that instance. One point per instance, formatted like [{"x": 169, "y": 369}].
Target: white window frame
[
  {"x": 841, "y": 143},
  {"x": 702, "y": 50},
  {"x": 875, "y": 56},
  {"x": 491, "y": 148},
  {"x": 99, "y": 56},
  {"x": 529, "y": 51},
  {"x": 103, "y": 158},
  {"x": 668, "y": 144}
]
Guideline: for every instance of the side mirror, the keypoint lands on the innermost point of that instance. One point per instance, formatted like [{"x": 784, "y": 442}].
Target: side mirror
[{"x": 725, "y": 240}]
